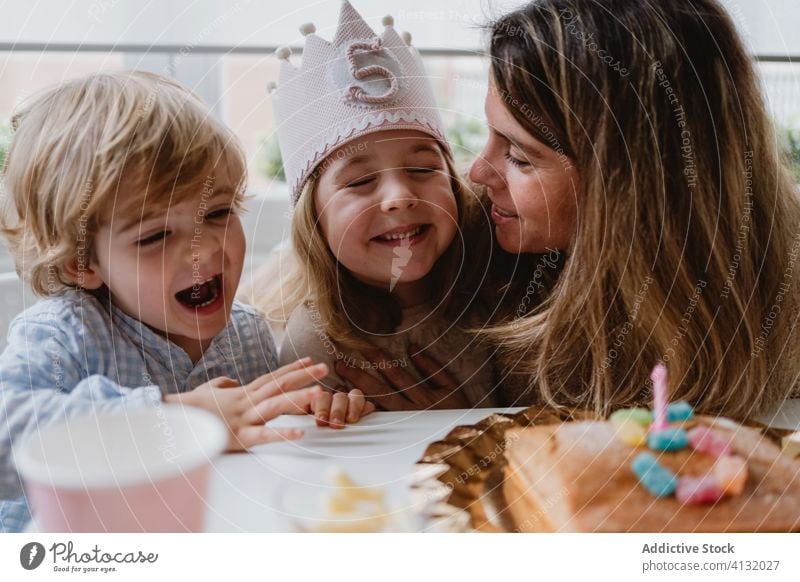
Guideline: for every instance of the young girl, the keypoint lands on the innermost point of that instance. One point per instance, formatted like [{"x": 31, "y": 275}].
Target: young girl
[{"x": 378, "y": 259}]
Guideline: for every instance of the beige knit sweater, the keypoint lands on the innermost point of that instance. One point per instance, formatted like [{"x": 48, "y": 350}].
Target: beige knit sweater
[{"x": 458, "y": 352}]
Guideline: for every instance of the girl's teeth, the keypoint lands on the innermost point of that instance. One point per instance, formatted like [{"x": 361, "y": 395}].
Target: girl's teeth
[{"x": 408, "y": 234}]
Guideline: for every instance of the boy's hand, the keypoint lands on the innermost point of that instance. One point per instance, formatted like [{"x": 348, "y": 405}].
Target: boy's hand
[
  {"x": 245, "y": 409},
  {"x": 335, "y": 409}
]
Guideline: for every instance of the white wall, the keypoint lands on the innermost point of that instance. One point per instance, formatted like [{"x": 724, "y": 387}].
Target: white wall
[
  {"x": 248, "y": 22},
  {"x": 769, "y": 25}
]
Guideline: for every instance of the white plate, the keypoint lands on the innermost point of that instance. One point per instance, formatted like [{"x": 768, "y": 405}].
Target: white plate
[{"x": 305, "y": 500}]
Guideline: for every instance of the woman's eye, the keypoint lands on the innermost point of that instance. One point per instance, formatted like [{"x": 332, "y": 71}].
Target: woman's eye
[
  {"x": 360, "y": 182},
  {"x": 220, "y": 213},
  {"x": 153, "y": 238},
  {"x": 422, "y": 170},
  {"x": 517, "y": 162}
]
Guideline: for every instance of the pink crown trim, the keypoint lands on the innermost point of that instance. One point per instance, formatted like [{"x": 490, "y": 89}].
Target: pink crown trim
[{"x": 369, "y": 123}]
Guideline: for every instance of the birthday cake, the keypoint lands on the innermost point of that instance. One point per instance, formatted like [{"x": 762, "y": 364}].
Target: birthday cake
[{"x": 665, "y": 470}]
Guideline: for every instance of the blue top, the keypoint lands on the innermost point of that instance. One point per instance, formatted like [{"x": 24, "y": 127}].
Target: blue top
[{"x": 75, "y": 353}]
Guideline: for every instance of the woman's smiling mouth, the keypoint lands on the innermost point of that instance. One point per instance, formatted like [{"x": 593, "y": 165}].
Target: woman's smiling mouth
[{"x": 501, "y": 215}]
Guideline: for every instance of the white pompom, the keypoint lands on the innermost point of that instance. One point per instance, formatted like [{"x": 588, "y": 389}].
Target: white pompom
[
  {"x": 283, "y": 53},
  {"x": 308, "y": 28},
  {"x": 388, "y": 20},
  {"x": 406, "y": 36},
  {"x": 271, "y": 86}
]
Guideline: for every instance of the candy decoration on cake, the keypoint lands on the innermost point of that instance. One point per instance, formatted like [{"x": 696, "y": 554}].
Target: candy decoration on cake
[
  {"x": 662, "y": 430},
  {"x": 705, "y": 440},
  {"x": 668, "y": 439},
  {"x": 659, "y": 378},
  {"x": 658, "y": 480},
  {"x": 698, "y": 490}
]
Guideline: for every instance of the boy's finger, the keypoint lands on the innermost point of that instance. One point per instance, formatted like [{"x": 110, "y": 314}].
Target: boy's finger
[
  {"x": 356, "y": 405},
  {"x": 250, "y": 436},
  {"x": 268, "y": 385},
  {"x": 300, "y": 364},
  {"x": 321, "y": 408},
  {"x": 338, "y": 410},
  {"x": 294, "y": 402},
  {"x": 296, "y": 365},
  {"x": 369, "y": 408},
  {"x": 224, "y": 382}
]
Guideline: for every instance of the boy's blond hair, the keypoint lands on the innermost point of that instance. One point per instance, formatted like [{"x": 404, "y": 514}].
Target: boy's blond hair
[{"x": 75, "y": 145}]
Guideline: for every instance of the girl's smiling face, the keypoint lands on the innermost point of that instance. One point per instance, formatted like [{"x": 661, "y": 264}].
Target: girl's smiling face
[{"x": 386, "y": 207}]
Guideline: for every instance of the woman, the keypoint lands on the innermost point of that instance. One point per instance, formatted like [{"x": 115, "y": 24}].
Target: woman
[{"x": 632, "y": 137}]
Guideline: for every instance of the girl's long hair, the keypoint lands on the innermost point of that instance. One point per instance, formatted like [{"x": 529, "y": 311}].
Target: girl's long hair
[{"x": 687, "y": 239}]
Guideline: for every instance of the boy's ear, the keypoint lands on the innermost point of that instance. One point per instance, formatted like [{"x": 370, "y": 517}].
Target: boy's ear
[{"x": 83, "y": 275}]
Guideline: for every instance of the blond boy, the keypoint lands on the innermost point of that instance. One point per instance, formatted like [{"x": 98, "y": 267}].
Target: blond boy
[{"x": 120, "y": 202}]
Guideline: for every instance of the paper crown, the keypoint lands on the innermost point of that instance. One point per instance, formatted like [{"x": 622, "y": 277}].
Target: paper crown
[{"x": 356, "y": 84}]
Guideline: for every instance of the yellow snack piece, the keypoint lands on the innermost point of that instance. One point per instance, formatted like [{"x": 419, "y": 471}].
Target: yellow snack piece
[
  {"x": 352, "y": 507},
  {"x": 791, "y": 444},
  {"x": 339, "y": 504},
  {"x": 631, "y": 432},
  {"x": 730, "y": 474}
]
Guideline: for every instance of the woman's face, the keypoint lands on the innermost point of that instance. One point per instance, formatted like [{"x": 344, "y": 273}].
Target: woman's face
[{"x": 533, "y": 188}]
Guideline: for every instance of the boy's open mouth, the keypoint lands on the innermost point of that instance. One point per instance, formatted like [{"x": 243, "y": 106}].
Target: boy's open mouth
[
  {"x": 403, "y": 235},
  {"x": 202, "y": 294}
]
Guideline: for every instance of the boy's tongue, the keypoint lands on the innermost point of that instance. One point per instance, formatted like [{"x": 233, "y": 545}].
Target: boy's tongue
[{"x": 200, "y": 294}]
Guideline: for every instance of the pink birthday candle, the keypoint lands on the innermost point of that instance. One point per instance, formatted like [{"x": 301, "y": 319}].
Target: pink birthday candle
[{"x": 659, "y": 378}]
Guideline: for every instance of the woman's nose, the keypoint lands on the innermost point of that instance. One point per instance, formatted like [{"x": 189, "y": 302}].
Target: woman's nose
[
  {"x": 397, "y": 195},
  {"x": 484, "y": 172}
]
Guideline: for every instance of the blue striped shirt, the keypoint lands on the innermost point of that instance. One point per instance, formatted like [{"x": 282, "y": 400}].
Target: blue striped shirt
[{"x": 74, "y": 353}]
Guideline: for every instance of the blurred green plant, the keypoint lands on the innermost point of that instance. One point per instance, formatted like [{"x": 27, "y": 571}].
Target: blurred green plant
[
  {"x": 467, "y": 138},
  {"x": 268, "y": 158},
  {"x": 5, "y": 140},
  {"x": 790, "y": 136}
]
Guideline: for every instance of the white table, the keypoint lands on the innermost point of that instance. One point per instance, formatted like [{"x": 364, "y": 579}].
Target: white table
[{"x": 248, "y": 489}]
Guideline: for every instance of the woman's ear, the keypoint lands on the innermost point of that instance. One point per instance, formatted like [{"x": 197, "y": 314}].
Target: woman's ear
[{"x": 82, "y": 274}]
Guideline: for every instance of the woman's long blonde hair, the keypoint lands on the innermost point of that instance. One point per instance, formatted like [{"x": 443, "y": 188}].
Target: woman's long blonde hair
[
  {"x": 687, "y": 238},
  {"x": 348, "y": 310}
]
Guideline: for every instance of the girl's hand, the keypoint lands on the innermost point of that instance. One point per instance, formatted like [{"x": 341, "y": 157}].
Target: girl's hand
[
  {"x": 245, "y": 409},
  {"x": 399, "y": 390},
  {"x": 334, "y": 409}
]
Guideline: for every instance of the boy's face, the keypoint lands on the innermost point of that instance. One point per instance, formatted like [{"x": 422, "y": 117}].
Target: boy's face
[{"x": 177, "y": 270}]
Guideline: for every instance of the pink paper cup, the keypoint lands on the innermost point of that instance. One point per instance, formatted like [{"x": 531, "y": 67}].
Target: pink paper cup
[{"x": 140, "y": 471}]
